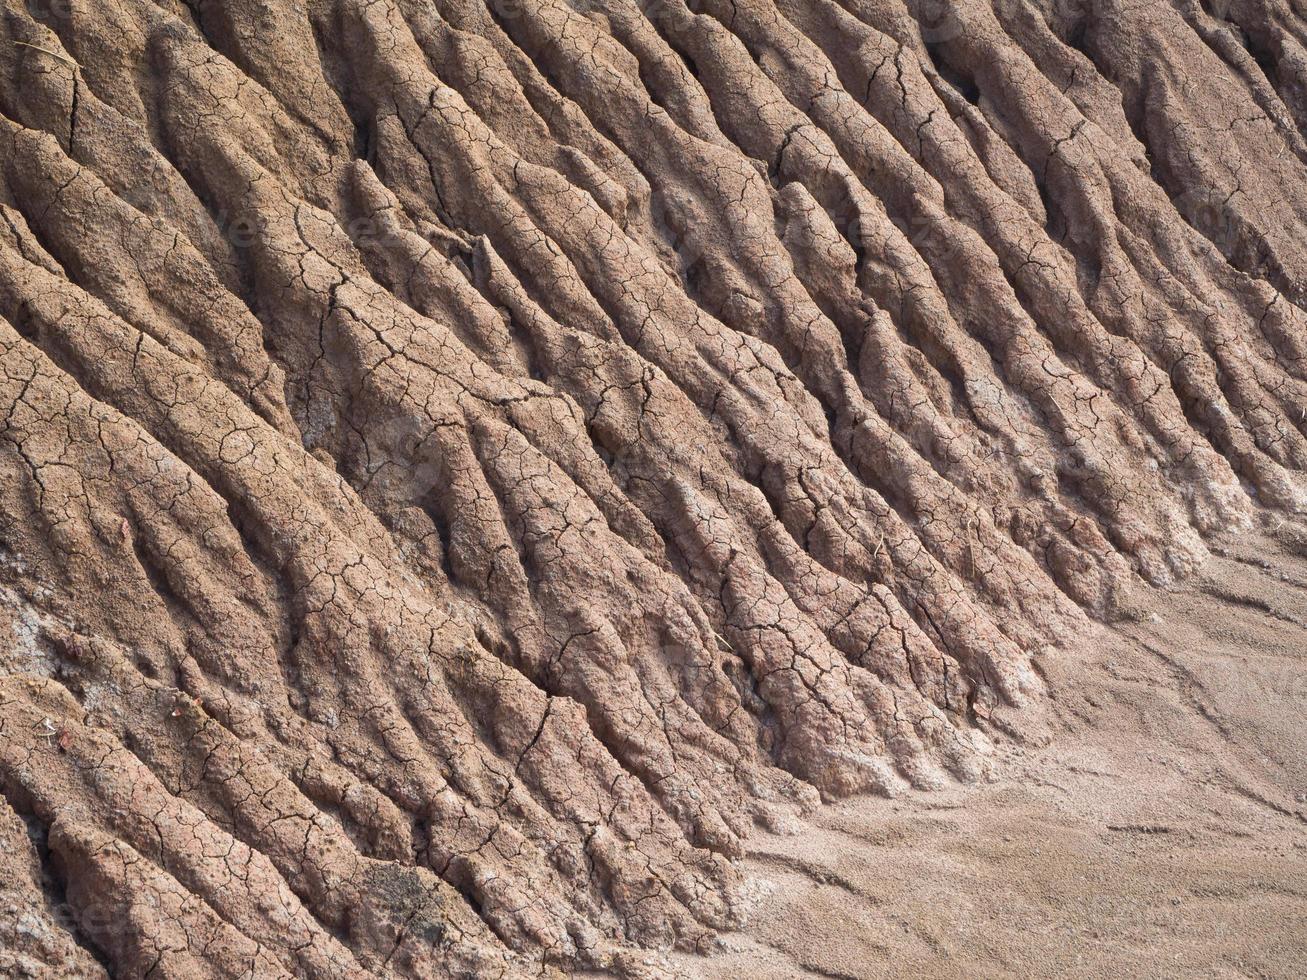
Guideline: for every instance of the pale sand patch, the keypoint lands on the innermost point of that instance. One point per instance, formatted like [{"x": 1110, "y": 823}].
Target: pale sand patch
[{"x": 1162, "y": 833}]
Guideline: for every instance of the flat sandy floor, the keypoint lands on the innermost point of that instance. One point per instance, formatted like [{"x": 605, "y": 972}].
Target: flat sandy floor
[{"x": 1161, "y": 832}]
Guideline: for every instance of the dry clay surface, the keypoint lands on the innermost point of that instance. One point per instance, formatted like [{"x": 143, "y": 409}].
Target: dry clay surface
[
  {"x": 1159, "y": 834},
  {"x": 466, "y": 465}
]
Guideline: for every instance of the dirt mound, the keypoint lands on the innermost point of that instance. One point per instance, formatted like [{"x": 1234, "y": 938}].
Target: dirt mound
[{"x": 464, "y": 463}]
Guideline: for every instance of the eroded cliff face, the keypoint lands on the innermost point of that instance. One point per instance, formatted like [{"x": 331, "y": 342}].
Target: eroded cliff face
[{"x": 466, "y": 463}]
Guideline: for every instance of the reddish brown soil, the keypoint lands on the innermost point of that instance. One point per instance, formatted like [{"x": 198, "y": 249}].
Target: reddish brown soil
[
  {"x": 467, "y": 465},
  {"x": 1157, "y": 831}
]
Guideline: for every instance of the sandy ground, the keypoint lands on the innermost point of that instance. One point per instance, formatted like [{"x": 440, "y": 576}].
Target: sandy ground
[{"x": 1162, "y": 833}]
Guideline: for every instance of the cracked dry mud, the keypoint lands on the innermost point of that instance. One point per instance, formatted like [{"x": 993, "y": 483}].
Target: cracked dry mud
[{"x": 470, "y": 469}]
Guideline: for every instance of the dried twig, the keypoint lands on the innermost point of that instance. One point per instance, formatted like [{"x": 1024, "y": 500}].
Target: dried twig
[{"x": 52, "y": 54}]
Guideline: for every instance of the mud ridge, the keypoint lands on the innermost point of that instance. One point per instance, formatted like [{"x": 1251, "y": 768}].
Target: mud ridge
[{"x": 465, "y": 464}]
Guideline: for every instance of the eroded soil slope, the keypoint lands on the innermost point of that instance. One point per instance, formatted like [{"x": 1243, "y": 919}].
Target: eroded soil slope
[
  {"x": 465, "y": 463},
  {"x": 1160, "y": 832}
]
